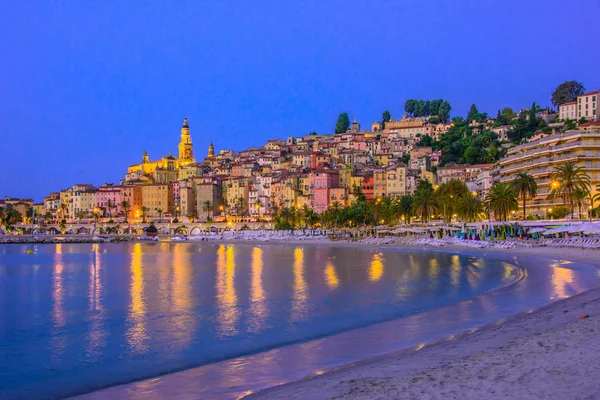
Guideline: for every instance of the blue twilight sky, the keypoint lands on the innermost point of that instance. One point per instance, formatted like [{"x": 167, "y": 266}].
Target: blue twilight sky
[{"x": 87, "y": 86}]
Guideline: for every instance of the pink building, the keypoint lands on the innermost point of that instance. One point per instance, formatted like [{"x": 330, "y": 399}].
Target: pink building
[
  {"x": 360, "y": 145},
  {"x": 320, "y": 181},
  {"x": 109, "y": 199},
  {"x": 176, "y": 199}
]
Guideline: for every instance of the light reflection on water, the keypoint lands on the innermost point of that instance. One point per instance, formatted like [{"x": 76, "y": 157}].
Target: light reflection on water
[{"x": 104, "y": 314}]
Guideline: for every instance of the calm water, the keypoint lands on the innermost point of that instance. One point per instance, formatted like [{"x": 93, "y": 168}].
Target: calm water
[{"x": 77, "y": 317}]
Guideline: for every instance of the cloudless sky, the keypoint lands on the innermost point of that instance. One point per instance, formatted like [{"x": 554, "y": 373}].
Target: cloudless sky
[{"x": 87, "y": 86}]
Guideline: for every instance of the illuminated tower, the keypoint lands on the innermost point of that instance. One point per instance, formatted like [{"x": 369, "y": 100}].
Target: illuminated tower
[
  {"x": 211, "y": 150},
  {"x": 186, "y": 153},
  {"x": 145, "y": 158}
]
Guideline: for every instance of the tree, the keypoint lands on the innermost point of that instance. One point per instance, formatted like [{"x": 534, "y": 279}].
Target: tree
[
  {"x": 10, "y": 216},
  {"x": 405, "y": 207},
  {"x": 385, "y": 117},
  {"x": 425, "y": 140},
  {"x": 160, "y": 212},
  {"x": 109, "y": 205},
  {"x": 471, "y": 155},
  {"x": 343, "y": 123},
  {"x": 334, "y": 211},
  {"x": 525, "y": 187},
  {"x": 409, "y": 107},
  {"x": 567, "y": 92},
  {"x": 207, "y": 208},
  {"x": 469, "y": 208},
  {"x": 240, "y": 206},
  {"x": 444, "y": 111},
  {"x": 126, "y": 207},
  {"x": 473, "y": 113},
  {"x": 424, "y": 201},
  {"x": 532, "y": 117},
  {"x": 447, "y": 195},
  {"x": 64, "y": 208},
  {"x": 145, "y": 211},
  {"x": 580, "y": 197},
  {"x": 502, "y": 200},
  {"x": 565, "y": 179}
]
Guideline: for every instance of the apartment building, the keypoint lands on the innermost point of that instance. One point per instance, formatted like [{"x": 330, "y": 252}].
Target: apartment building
[
  {"x": 587, "y": 106},
  {"x": 540, "y": 157},
  {"x": 158, "y": 198}
]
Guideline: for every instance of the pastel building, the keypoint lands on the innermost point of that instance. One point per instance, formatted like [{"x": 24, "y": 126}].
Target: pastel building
[
  {"x": 108, "y": 198},
  {"x": 320, "y": 182},
  {"x": 587, "y": 106}
]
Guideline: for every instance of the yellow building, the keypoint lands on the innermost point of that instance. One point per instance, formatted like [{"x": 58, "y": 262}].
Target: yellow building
[
  {"x": 396, "y": 180},
  {"x": 538, "y": 158},
  {"x": 168, "y": 163},
  {"x": 236, "y": 188},
  {"x": 157, "y": 197}
]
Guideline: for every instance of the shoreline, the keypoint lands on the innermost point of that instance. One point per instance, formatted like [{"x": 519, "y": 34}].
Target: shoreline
[
  {"x": 311, "y": 386},
  {"x": 442, "y": 368}
]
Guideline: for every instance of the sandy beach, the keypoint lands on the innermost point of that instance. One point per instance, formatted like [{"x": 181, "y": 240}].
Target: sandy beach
[{"x": 550, "y": 353}]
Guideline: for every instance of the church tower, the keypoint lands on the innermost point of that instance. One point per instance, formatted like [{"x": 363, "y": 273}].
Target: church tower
[
  {"x": 211, "y": 150},
  {"x": 186, "y": 153}
]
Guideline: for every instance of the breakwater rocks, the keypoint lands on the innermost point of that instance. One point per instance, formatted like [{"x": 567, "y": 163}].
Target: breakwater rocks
[{"x": 7, "y": 239}]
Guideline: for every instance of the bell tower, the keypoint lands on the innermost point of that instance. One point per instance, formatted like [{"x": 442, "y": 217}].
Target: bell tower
[{"x": 186, "y": 152}]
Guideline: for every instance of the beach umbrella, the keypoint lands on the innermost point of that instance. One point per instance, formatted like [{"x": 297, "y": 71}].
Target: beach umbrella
[{"x": 537, "y": 230}]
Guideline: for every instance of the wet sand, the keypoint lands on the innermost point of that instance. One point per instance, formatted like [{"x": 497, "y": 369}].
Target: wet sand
[{"x": 550, "y": 353}]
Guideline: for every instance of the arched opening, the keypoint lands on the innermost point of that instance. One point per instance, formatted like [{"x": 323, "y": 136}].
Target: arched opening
[
  {"x": 181, "y": 230},
  {"x": 53, "y": 231},
  {"x": 195, "y": 231},
  {"x": 83, "y": 231}
]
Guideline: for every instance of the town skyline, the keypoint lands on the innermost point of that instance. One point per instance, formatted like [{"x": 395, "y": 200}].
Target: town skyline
[
  {"x": 201, "y": 152},
  {"x": 89, "y": 90}
]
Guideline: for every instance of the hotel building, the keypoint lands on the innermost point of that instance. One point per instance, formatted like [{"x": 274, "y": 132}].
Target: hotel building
[{"x": 539, "y": 158}]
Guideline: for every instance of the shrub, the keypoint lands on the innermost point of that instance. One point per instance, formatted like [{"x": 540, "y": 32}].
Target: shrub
[{"x": 559, "y": 212}]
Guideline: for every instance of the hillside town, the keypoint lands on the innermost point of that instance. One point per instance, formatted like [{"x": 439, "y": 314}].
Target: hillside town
[{"x": 384, "y": 161}]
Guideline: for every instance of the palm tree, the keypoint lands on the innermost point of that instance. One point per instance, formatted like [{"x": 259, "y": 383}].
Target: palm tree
[
  {"x": 145, "y": 211},
  {"x": 566, "y": 179},
  {"x": 257, "y": 205},
  {"x": 109, "y": 206},
  {"x": 526, "y": 187},
  {"x": 125, "y": 206},
  {"x": 502, "y": 198},
  {"x": 160, "y": 212},
  {"x": 335, "y": 208},
  {"x": 64, "y": 208},
  {"x": 207, "y": 208},
  {"x": 469, "y": 208},
  {"x": 424, "y": 203},
  {"x": 405, "y": 207},
  {"x": 580, "y": 197},
  {"x": 240, "y": 205}
]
